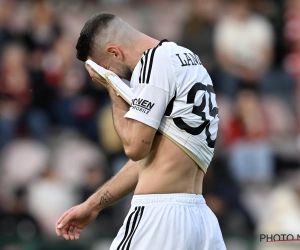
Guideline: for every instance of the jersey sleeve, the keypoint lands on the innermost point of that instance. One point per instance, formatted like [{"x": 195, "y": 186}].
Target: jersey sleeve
[{"x": 153, "y": 87}]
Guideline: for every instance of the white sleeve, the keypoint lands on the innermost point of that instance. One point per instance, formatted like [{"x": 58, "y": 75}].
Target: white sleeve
[
  {"x": 152, "y": 94},
  {"x": 148, "y": 105}
]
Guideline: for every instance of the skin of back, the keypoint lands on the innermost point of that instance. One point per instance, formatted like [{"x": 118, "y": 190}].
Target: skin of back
[{"x": 168, "y": 169}]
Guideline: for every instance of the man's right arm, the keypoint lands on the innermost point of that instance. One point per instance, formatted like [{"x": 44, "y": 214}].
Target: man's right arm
[
  {"x": 71, "y": 223},
  {"x": 123, "y": 183}
]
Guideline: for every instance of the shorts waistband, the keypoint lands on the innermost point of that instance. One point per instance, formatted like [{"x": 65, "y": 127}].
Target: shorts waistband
[{"x": 177, "y": 198}]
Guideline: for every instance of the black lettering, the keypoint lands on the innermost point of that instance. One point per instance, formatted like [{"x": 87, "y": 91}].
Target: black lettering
[
  {"x": 298, "y": 236},
  {"x": 183, "y": 63},
  {"x": 150, "y": 105},
  {"x": 136, "y": 101},
  {"x": 189, "y": 59},
  {"x": 278, "y": 237},
  {"x": 261, "y": 237},
  {"x": 144, "y": 103},
  {"x": 269, "y": 237},
  {"x": 196, "y": 58},
  {"x": 291, "y": 237},
  {"x": 190, "y": 55}
]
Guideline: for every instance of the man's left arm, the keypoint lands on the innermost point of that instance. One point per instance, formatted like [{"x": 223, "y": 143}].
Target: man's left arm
[
  {"x": 137, "y": 125},
  {"x": 136, "y": 137}
]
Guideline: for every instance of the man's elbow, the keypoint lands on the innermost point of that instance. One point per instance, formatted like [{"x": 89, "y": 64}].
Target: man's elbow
[{"x": 136, "y": 154}]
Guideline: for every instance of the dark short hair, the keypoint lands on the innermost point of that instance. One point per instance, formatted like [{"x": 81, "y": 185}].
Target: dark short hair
[{"x": 92, "y": 27}]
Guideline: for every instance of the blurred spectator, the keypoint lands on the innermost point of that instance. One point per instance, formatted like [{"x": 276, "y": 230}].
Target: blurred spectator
[
  {"x": 16, "y": 98},
  {"x": 246, "y": 135},
  {"x": 15, "y": 220},
  {"x": 14, "y": 91},
  {"x": 21, "y": 162},
  {"x": 110, "y": 140},
  {"x": 198, "y": 30},
  {"x": 166, "y": 20},
  {"x": 292, "y": 37},
  {"x": 244, "y": 46},
  {"x": 281, "y": 213},
  {"x": 107, "y": 133},
  {"x": 223, "y": 195},
  {"x": 13, "y": 22},
  {"x": 42, "y": 27},
  {"x": 95, "y": 177},
  {"x": 73, "y": 155},
  {"x": 48, "y": 198},
  {"x": 71, "y": 108}
]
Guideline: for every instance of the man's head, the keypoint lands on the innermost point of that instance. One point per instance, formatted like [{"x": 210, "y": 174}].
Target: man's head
[{"x": 107, "y": 40}]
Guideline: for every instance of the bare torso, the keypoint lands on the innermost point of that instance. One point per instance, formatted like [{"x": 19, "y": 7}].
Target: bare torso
[{"x": 168, "y": 169}]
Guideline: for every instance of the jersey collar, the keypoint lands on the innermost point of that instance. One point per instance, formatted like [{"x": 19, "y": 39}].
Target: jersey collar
[{"x": 161, "y": 42}]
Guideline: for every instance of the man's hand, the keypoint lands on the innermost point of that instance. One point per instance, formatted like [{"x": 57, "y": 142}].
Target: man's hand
[
  {"x": 71, "y": 223},
  {"x": 96, "y": 77}
]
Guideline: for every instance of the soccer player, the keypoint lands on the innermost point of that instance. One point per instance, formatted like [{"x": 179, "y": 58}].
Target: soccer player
[{"x": 166, "y": 167}]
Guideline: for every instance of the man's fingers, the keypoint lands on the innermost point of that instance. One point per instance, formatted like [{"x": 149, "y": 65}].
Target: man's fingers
[
  {"x": 64, "y": 221},
  {"x": 92, "y": 72},
  {"x": 97, "y": 81},
  {"x": 58, "y": 231},
  {"x": 77, "y": 233},
  {"x": 58, "y": 225},
  {"x": 65, "y": 233},
  {"x": 88, "y": 68},
  {"x": 58, "y": 222},
  {"x": 71, "y": 231},
  {"x": 96, "y": 77}
]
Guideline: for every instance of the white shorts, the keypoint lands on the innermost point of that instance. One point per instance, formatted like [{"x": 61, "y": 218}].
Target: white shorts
[{"x": 169, "y": 222}]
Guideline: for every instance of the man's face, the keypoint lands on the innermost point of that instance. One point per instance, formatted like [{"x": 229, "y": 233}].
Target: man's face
[
  {"x": 122, "y": 70},
  {"x": 119, "y": 68}
]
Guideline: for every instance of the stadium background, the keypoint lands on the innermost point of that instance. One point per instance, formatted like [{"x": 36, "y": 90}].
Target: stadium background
[{"x": 58, "y": 145}]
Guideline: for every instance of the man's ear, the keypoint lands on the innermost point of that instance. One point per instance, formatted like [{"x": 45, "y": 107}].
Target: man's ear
[{"x": 114, "y": 52}]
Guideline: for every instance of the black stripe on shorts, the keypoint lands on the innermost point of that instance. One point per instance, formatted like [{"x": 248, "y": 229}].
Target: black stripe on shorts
[{"x": 130, "y": 230}]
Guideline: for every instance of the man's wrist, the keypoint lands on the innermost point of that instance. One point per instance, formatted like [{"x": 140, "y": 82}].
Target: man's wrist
[
  {"x": 100, "y": 200},
  {"x": 93, "y": 203}
]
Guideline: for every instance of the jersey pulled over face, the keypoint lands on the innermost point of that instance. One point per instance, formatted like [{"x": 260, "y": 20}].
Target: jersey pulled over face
[{"x": 173, "y": 92}]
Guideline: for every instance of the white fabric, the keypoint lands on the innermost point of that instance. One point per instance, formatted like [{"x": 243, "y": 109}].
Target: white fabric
[
  {"x": 149, "y": 105},
  {"x": 169, "y": 222},
  {"x": 245, "y": 40},
  {"x": 162, "y": 73}
]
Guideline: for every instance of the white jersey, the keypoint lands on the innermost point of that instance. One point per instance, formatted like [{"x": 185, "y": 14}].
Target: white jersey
[{"x": 173, "y": 92}]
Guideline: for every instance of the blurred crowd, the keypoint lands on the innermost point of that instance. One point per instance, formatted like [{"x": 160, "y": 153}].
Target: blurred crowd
[{"x": 58, "y": 144}]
